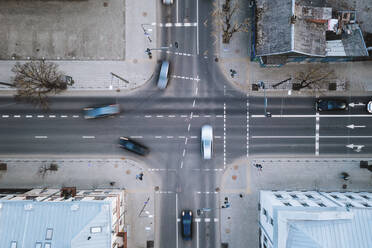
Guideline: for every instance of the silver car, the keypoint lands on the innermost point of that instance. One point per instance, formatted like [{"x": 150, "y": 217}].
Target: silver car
[
  {"x": 206, "y": 141},
  {"x": 163, "y": 75},
  {"x": 167, "y": 2},
  {"x": 369, "y": 107}
]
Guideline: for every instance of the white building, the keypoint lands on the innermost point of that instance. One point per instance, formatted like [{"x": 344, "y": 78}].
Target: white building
[
  {"x": 310, "y": 219},
  {"x": 52, "y": 218}
]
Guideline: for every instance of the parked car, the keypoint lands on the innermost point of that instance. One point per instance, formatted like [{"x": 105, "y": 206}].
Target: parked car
[
  {"x": 167, "y": 2},
  {"x": 163, "y": 75},
  {"x": 186, "y": 224},
  {"x": 133, "y": 146},
  {"x": 102, "y": 111},
  {"x": 331, "y": 105},
  {"x": 206, "y": 141},
  {"x": 369, "y": 107}
]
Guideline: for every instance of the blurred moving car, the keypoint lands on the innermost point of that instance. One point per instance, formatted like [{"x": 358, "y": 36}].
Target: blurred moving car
[
  {"x": 133, "y": 146},
  {"x": 97, "y": 112},
  {"x": 163, "y": 75},
  {"x": 331, "y": 105},
  {"x": 186, "y": 224},
  {"x": 369, "y": 107},
  {"x": 206, "y": 141},
  {"x": 167, "y": 2}
]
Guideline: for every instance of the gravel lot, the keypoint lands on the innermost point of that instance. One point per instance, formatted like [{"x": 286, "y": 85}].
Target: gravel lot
[{"x": 78, "y": 29}]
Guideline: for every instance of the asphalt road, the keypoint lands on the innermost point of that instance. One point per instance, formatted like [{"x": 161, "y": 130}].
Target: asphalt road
[{"x": 169, "y": 123}]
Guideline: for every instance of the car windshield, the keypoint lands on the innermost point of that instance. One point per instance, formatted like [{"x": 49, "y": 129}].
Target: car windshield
[
  {"x": 186, "y": 221},
  {"x": 207, "y": 142}
]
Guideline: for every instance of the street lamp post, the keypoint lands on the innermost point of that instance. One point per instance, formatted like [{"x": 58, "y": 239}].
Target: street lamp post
[{"x": 148, "y": 50}]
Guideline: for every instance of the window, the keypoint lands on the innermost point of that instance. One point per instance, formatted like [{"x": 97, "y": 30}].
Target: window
[
  {"x": 310, "y": 196},
  {"x": 49, "y": 234},
  {"x": 13, "y": 244},
  {"x": 294, "y": 196},
  {"x": 321, "y": 204},
  {"x": 350, "y": 197},
  {"x": 287, "y": 204},
  {"x": 96, "y": 229},
  {"x": 264, "y": 212},
  {"x": 278, "y": 196},
  {"x": 271, "y": 221},
  {"x": 365, "y": 197},
  {"x": 304, "y": 204},
  {"x": 366, "y": 205},
  {"x": 48, "y": 245},
  {"x": 265, "y": 239},
  {"x": 38, "y": 245},
  {"x": 335, "y": 196}
]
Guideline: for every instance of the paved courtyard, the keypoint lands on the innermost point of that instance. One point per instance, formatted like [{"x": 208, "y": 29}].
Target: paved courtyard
[{"x": 66, "y": 30}]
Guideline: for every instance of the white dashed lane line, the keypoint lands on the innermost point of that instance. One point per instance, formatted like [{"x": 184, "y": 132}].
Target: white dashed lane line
[
  {"x": 88, "y": 137},
  {"x": 41, "y": 137}
]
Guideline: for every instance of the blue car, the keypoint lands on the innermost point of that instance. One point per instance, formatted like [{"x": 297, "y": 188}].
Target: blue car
[
  {"x": 163, "y": 75},
  {"x": 97, "y": 112},
  {"x": 331, "y": 105},
  {"x": 186, "y": 224}
]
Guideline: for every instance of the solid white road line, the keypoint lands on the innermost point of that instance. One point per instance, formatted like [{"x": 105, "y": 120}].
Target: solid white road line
[
  {"x": 197, "y": 27},
  {"x": 310, "y": 116},
  {"x": 317, "y": 134},
  {"x": 177, "y": 220},
  {"x": 309, "y": 137},
  {"x": 197, "y": 234},
  {"x": 41, "y": 137},
  {"x": 177, "y": 11},
  {"x": 88, "y": 137},
  {"x": 136, "y": 137}
]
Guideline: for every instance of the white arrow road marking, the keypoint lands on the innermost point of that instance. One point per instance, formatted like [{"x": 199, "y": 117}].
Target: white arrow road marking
[
  {"x": 356, "y": 104},
  {"x": 358, "y": 147},
  {"x": 352, "y": 126}
]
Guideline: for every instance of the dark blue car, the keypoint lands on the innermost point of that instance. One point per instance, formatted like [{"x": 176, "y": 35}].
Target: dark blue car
[
  {"x": 186, "y": 224},
  {"x": 133, "y": 146},
  {"x": 102, "y": 111},
  {"x": 331, "y": 105}
]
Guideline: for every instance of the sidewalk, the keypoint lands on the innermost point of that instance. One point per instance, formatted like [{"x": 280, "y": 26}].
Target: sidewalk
[
  {"x": 242, "y": 182},
  {"x": 93, "y": 174},
  {"x": 92, "y": 75},
  {"x": 236, "y": 56}
]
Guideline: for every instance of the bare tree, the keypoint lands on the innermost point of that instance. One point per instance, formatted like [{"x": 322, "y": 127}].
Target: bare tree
[
  {"x": 313, "y": 78},
  {"x": 36, "y": 80},
  {"x": 224, "y": 18},
  {"x": 43, "y": 170}
]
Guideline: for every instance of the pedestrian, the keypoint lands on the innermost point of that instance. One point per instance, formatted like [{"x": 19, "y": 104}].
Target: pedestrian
[
  {"x": 345, "y": 176},
  {"x": 176, "y": 44},
  {"x": 140, "y": 176}
]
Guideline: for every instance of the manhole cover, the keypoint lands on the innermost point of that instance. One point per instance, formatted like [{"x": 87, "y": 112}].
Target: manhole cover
[
  {"x": 105, "y": 4},
  {"x": 217, "y": 189},
  {"x": 116, "y": 166},
  {"x": 237, "y": 51},
  {"x": 157, "y": 188},
  {"x": 127, "y": 172},
  {"x": 236, "y": 167},
  {"x": 135, "y": 61},
  {"x": 228, "y": 230},
  {"x": 234, "y": 177},
  {"x": 144, "y": 13}
]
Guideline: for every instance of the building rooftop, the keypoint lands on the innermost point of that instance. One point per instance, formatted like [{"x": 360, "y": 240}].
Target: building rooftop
[
  {"x": 300, "y": 26},
  {"x": 55, "y": 224}
]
